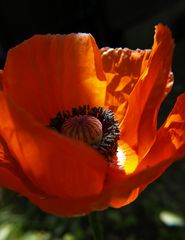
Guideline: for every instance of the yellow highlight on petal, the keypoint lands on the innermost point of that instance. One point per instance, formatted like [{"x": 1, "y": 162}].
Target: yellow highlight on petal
[{"x": 127, "y": 158}]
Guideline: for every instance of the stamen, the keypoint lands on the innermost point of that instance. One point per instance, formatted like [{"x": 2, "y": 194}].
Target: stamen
[{"x": 95, "y": 126}]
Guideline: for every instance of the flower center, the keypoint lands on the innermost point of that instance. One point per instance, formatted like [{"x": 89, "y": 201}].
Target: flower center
[
  {"x": 85, "y": 128},
  {"x": 94, "y": 126}
]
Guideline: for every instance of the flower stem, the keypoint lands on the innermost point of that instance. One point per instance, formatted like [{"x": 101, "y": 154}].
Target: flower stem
[{"x": 96, "y": 226}]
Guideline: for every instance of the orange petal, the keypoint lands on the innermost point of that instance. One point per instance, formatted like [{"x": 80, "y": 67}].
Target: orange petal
[
  {"x": 57, "y": 165},
  {"x": 46, "y": 74},
  {"x": 139, "y": 126},
  {"x": 123, "y": 68}
]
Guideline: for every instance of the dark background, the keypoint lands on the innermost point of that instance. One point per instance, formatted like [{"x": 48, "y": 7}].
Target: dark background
[{"x": 114, "y": 23}]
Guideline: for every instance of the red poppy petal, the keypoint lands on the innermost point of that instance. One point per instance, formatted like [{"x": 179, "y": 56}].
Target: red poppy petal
[
  {"x": 139, "y": 126},
  {"x": 46, "y": 74},
  {"x": 57, "y": 165}
]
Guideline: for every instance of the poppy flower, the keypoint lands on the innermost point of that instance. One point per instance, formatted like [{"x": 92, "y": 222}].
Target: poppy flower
[{"x": 78, "y": 124}]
